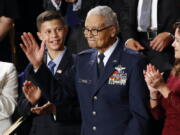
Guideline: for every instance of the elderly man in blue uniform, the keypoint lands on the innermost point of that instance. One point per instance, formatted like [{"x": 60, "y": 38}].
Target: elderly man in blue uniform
[{"x": 107, "y": 79}]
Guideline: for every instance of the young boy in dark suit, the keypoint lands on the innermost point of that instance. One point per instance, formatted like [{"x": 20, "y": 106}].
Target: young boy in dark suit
[{"x": 52, "y": 32}]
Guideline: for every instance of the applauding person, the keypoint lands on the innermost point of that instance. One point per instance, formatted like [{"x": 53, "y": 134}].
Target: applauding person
[
  {"x": 165, "y": 96},
  {"x": 52, "y": 31}
]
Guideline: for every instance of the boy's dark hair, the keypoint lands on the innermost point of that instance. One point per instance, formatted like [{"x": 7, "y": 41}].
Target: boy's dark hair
[{"x": 48, "y": 15}]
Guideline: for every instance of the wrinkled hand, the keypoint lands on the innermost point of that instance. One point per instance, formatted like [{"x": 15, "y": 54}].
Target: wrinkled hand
[
  {"x": 31, "y": 92},
  {"x": 161, "y": 41},
  {"x": 47, "y": 108},
  {"x": 134, "y": 45},
  {"x": 33, "y": 52},
  {"x": 153, "y": 78}
]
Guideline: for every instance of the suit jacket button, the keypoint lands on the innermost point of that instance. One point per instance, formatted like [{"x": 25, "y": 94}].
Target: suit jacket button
[
  {"x": 94, "y": 128},
  {"x": 94, "y": 113},
  {"x": 95, "y": 98},
  {"x": 59, "y": 71}
]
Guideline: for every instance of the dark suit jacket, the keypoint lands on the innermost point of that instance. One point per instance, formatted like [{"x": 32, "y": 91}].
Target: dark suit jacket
[
  {"x": 114, "y": 104},
  {"x": 69, "y": 122},
  {"x": 47, "y": 5},
  {"x": 168, "y": 12},
  {"x": 119, "y": 6}
]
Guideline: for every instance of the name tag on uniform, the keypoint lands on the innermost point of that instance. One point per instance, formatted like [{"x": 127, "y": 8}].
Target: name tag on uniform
[
  {"x": 119, "y": 76},
  {"x": 84, "y": 81}
]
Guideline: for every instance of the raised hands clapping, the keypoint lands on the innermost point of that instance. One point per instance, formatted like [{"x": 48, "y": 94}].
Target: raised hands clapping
[{"x": 31, "y": 92}]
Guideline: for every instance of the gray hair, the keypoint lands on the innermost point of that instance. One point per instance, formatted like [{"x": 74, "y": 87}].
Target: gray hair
[{"x": 109, "y": 15}]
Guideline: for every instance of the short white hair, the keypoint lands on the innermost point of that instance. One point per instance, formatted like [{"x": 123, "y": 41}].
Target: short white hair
[{"x": 105, "y": 11}]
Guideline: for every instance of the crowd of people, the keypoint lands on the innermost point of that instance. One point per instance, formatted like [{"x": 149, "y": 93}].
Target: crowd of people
[{"x": 90, "y": 67}]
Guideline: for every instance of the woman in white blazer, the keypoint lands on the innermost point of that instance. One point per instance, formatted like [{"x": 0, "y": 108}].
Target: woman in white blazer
[{"x": 8, "y": 94}]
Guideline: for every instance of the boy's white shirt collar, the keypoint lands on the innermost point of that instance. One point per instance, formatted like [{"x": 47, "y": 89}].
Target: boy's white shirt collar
[{"x": 57, "y": 60}]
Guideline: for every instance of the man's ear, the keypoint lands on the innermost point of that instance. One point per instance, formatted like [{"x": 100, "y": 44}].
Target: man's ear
[
  {"x": 114, "y": 31},
  {"x": 39, "y": 35}
]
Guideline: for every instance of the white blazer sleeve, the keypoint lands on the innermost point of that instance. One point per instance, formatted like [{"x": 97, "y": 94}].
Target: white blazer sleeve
[{"x": 8, "y": 89}]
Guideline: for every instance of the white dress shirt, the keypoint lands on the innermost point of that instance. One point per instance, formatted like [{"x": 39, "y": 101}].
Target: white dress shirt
[
  {"x": 57, "y": 6},
  {"x": 77, "y": 5},
  {"x": 57, "y": 60},
  {"x": 154, "y": 13},
  {"x": 108, "y": 52}
]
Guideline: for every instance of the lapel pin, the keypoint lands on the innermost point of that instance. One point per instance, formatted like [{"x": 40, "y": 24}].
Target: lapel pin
[
  {"x": 59, "y": 71},
  {"x": 120, "y": 68},
  {"x": 114, "y": 61}
]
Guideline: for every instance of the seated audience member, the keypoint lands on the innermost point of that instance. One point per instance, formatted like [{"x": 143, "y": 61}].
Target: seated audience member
[
  {"x": 107, "y": 80},
  {"x": 52, "y": 31},
  {"x": 8, "y": 94},
  {"x": 165, "y": 95}
]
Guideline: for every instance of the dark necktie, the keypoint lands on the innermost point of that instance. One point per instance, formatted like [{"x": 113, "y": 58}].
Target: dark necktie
[
  {"x": 145, "y": 18},
  {"x": 51, "y": 66},
  {"x": 100, "y": 65}
]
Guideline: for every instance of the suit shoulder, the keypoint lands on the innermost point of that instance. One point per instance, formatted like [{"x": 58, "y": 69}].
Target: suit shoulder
[
  {"x": 8, "y": 67},
  {"x": 134, "y": 54},
  {"x": 135, "y": 58},
  {"x": 86, "y": 52}
]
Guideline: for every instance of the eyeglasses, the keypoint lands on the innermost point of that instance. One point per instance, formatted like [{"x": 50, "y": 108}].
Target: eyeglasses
[{"x": 95, "y": 32}]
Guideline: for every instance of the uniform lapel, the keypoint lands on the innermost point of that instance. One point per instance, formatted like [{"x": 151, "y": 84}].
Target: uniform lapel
[
  {"x": 113, "y": 61},
  {"x": 93, "y": 67}
]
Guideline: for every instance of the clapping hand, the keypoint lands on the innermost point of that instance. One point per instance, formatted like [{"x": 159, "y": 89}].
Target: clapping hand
[
  {"x": 47, "y": 108},
  {"x": 31, "y": 92},
  {"x": 155, "y": 81},
  {"x": 153, "y": 77}
]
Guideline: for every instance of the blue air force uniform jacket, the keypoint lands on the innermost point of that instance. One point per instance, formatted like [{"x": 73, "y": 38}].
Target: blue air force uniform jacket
[{"x": 115, "y": 104}]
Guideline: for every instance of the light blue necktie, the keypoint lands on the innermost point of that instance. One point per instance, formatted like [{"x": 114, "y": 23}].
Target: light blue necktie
[{"x": 51, "y": 66}]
